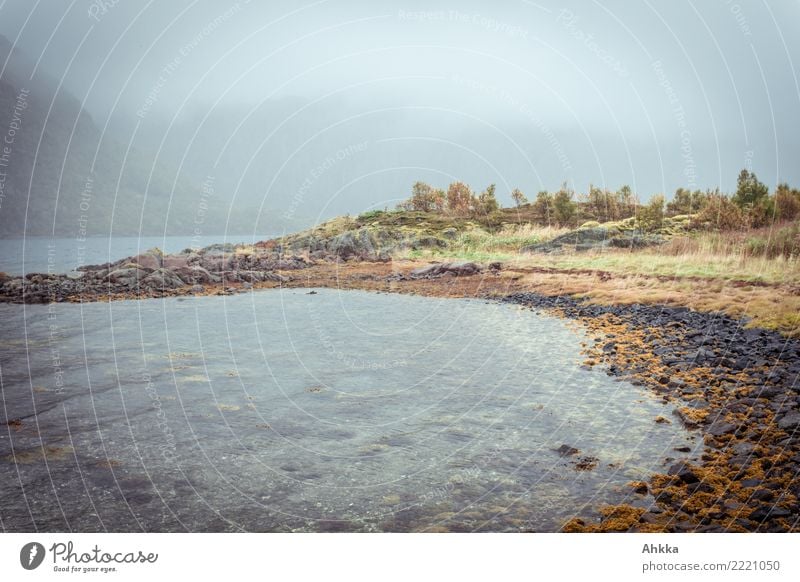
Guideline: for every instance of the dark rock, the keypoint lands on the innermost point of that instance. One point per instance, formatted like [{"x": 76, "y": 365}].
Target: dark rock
[
  {"x": 721, "y": 428},
  {"x": 567, "y": 451},
  {"x": 684, "y": 472},
  {"x": 790, "y": 422},
  {"x": 459, "y": 268},
  {"x": 763, "y": 513},
  {"x": 763, "y": 495}
]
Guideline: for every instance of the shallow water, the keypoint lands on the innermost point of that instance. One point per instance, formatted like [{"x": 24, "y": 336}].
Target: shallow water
[{"x": 287, "y": 411}]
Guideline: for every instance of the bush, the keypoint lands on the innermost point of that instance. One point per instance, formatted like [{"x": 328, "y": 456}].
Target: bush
[
  {"x": 720, "y": 213},
  {"x": 784, "y": 242},
  {"x": 787, "y": 203},
  {"x": 651, "y": 217}
]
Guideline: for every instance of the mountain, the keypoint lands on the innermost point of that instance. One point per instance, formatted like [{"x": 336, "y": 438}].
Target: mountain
[{"x": 61, "y": 175}]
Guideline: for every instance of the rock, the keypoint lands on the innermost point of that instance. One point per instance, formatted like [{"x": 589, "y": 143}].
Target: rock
[
  {"x": 457, "y": 268},
  {"x": 163, "y": 279},
  {"x": 196, "y": 274},
  {"x": 684, "y": 472},
  {"x": 743, "y": 448},
  {"x": 763, "y": 513},
  {"x": 149, "y": 260},
  {"x": 721, "y": 428},
  {"x": 216, "y": 263},
  {"x": 566, "y": 451},
  {"x": 790, "y": 422},
  {"x": 763, "y": 495},
  {"x": 127, "y": 276},
  {"x": 173, "y": 262}
]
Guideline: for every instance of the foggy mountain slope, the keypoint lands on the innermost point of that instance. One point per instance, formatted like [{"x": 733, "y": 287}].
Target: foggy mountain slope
[{"x": 84, "y": 182}]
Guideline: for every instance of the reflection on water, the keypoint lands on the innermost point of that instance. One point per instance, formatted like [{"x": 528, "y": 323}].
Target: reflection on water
[{"x": 288, "y": 411}]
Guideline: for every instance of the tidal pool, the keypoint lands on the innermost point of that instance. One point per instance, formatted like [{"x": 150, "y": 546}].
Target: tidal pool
[{"x": 334, "y": 411}]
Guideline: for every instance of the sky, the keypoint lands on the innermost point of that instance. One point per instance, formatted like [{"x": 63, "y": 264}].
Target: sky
[{"x": 655, "y": 94}]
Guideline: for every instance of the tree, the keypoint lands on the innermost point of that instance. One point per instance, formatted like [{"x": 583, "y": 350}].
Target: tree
[
  {"x": 626, "y": 201},
  {"x": 518, "y": 197},
  {"x": 749, "y": 191},
  {"x": 544, "y": 207},
  {"x": 460, "y": 199},
  {"x": 602, "y": 204},
  {"x": 487, "y": 202},
  {"x": 564, "y": 206},
  {"x": 424, "y": 198},
  {"x": 787, "y": 202},
  {"x": 687, "y": 202},
  {"x": 651, "y": 217}
]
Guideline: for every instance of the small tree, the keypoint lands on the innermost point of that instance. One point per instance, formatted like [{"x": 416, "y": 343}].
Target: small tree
[
  {"x": 487, "y": 202},
  {"x": 544, "y": 207},
  {"x": 651, "y": 217},
  {"x": 687, "y": 202},
  {"x": 564, "y": 206},
  {"x": 626, "y": 201},
  {"x": 787, "y": 202},
  {"x": 460, "y": 199},
  {"x": 518, "y": 197},
  {"x": 749, "y": 191}
]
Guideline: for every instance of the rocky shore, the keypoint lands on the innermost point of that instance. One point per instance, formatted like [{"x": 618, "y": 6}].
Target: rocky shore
[{"x": 738, "y": 387}]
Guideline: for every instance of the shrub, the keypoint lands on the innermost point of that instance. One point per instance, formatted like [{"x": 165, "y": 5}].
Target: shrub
[
  {"x": 784, "y": 242},
  {"x": 651, "y": 217},
  {"x": 787, "y": 203},
  {"x": 564, "y": 207},
  {"x": 719, "y": 213}
]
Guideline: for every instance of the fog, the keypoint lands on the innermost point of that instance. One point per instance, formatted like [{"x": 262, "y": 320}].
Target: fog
[{"x": 298, "y": 112}]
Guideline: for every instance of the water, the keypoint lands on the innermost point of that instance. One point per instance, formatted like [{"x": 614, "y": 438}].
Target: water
[
  {"x": 19, "y": 256},
  {"x": 286, "y": 411}
]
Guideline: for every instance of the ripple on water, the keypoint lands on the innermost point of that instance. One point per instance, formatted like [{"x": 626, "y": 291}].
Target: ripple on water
[{"x": 340, "y": 411}]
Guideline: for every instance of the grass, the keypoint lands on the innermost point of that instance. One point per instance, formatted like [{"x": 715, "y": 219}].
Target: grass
[{"x": 711, "y": 255}]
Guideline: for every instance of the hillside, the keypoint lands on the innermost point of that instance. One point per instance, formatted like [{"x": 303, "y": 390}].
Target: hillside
[{"x": 63, "y": 176}]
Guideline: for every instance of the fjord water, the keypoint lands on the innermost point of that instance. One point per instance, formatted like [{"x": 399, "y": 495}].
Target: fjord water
[{"x": 335, "y": 411}]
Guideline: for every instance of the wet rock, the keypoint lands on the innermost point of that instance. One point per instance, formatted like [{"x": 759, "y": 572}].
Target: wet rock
[
  {"x": 721, "y": 428},
  {"x": 684, "y": 472}
]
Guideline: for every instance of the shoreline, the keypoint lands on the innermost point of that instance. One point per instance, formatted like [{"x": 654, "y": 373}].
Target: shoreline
[{"x": 738, "y": 387}]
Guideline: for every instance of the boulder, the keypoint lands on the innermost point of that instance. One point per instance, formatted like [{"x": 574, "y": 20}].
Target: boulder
[
  {"x": 163, "y": 279},
  {"x": 216, "y": 263},
  {"x": 456, "y": 268},
  {"x": 195, "y": 275},
  {"x": 173, "y": 262},
  {"x": 126, "y": 276},
  {"x": 790, "y": 422},
  {"x": 150, "y": 260}
]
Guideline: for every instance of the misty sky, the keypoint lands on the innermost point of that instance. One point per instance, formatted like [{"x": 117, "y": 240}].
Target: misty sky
[{"x": 655, "y": 94}]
